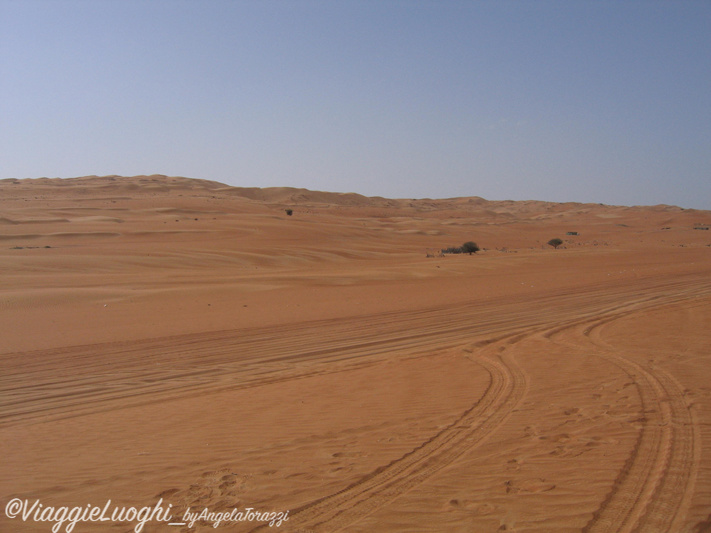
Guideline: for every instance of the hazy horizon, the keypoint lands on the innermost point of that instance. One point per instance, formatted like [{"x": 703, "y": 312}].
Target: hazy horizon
[{"x": 592, "y": 102}]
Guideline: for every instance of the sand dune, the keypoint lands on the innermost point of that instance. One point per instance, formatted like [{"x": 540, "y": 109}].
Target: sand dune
[{"x": 178, "y": 339}]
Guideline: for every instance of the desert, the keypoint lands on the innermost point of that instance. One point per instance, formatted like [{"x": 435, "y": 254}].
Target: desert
[{"x": 282, "y": 350}]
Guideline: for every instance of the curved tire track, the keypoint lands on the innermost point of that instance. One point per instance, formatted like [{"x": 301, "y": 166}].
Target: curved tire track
[
  {"x": 649, "y": 494},
  {"x": 77, "y": 380},
  {"x": 506, "y": 389},
  {"x": 653, "y": 489}
]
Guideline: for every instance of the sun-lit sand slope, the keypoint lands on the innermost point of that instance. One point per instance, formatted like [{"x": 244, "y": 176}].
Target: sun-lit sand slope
[{"x": 181, "y": 339}]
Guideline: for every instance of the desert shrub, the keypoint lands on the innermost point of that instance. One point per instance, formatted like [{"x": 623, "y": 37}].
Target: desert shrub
[
  {"x": 470, "y": 248},
  {"x": 466, "y": 248},
  {"x": 452, "y": 250},
  {"x": 289, "y": 212},
  {"x": 555, "y": 242}
]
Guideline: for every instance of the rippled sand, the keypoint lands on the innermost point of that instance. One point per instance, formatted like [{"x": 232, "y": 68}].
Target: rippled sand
[{"x": 184, "y": 340}]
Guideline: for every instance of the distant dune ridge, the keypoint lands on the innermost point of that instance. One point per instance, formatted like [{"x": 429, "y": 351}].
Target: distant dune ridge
[
  {"x": 180, "y": 340},
  {"x": 296, "y": 196}
]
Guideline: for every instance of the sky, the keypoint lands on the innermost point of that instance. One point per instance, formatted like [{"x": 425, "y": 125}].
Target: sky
[{"x": 582, "y": 101}]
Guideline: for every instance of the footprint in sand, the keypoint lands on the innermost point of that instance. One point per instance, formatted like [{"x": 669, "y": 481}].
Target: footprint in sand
[
  {"x": 469, "y": 505},
  {"x": 532, "y": 485},
  {"x": 216, "y": 489}
]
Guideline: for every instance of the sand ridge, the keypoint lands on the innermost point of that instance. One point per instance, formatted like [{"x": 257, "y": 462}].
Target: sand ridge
[{"x": 182, "y": 339}]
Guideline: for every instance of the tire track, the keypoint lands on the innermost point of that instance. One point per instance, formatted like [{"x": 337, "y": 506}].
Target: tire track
[
  {"x": 78, "y": 380},
  {"x": 506, "y": 388},
  {"x": 668, "y": 439},
  {"x": 653, "y": 489},
  {"x": 650, "y": 492},
  {"x": 161, "y": 369},
  {"x": 672, "y": 497}
]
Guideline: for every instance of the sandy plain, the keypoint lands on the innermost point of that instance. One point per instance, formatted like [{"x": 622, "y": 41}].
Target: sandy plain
[{"x": 176, "y": 339}]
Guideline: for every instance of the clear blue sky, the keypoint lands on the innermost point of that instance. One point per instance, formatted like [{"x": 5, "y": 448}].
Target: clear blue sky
[{"x": 566, "y": 101}]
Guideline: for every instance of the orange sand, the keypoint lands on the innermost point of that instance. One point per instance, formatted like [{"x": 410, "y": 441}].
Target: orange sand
[{"x": 181, "y": 339}]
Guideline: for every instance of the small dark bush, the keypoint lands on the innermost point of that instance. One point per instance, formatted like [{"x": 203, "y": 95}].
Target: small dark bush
[
  {"x": 452, "y": 250},
  {"x": 289, "y": 211},
  {"x": 466, "y": 248},
  {"x": 470, "y": 248},
  {"x": 555, "y": 242}
]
